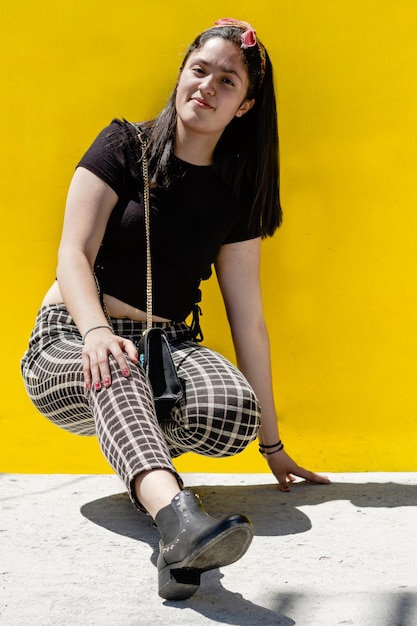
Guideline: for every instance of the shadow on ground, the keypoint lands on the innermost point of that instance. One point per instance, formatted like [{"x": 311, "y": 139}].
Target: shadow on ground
[{"x": 273, "y": 513}]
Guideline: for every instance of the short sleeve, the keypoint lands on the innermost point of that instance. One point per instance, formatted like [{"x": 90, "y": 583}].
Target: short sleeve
[
  {"x": 108, "y": 156},
  {"x": 243, "y": 230}
]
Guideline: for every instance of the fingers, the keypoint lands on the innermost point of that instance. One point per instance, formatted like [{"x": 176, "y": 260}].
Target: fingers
[
  {"x": 285, "y": 470},
  {"x": 127, "y": 349},
  {"x": 86, "y": 371},
  {"x": 96, "y": 370},
  {"x": 285, "y": 481},
  {"x": 131, "y": 351},
  {"x": 318, "y": 478},
  {"x": 312, "y": 476},
  {"x": 284, "y": 485},
  {"x": 95, "y": 359}
]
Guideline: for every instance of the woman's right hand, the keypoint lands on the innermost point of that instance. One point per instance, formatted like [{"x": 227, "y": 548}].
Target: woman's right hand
[
  {"x": 99, "y": 344},
  {"x": 284, "y": 470}
]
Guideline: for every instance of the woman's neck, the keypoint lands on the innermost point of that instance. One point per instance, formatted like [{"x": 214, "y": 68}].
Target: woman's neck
[{"x": 194, "y": 148}]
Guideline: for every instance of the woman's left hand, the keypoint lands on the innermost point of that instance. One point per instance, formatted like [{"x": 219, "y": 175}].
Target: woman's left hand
[{"x": 285, "y": 470}]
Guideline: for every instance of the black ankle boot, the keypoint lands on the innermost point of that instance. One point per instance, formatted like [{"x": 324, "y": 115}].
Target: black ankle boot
[{"x": 193, "y": 542}]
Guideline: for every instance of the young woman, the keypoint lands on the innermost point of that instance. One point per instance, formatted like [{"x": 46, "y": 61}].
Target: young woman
[{"x": 213, "y": 165}]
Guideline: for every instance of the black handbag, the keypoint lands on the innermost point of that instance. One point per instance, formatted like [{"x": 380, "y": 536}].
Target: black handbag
[
  {"x": 154, "y": 349},
  {"x": 156, "y": 358}
]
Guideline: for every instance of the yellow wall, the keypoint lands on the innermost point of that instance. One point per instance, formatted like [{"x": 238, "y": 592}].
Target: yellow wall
[{"x": 339, "y": 278}]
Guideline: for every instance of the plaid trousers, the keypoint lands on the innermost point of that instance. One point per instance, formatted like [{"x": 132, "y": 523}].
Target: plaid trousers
[{"x": 218, "y": 416}]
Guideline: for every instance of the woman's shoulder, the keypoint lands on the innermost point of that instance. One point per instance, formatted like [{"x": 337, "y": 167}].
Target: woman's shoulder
[
  {"x": 119, "y": 138},
  {"x": 120, "y": 129},
  {"x": 113, "y": 155}
]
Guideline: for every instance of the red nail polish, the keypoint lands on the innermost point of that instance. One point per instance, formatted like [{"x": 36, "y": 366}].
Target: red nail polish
[
  {"x": 126, "y": 372},
  {"x": 87, "y": 386},
  {"x": 106, "y": 382},
  {"x": 97, "y": 385}
]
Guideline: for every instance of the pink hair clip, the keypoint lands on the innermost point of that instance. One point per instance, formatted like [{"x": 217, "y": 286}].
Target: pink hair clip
[
  {"x": 249, "y": 34},
  {"x": 248, "y": 39}
]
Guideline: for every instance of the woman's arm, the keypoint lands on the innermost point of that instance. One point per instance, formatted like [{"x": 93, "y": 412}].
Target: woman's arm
[
  {"x": 89, "y": 205},
  {"x": 238, "y": 272}
]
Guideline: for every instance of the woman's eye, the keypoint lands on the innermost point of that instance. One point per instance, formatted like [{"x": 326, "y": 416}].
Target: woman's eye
[
  {"x": 228, "y": 82},
  {"x": 198, "y": 70}
]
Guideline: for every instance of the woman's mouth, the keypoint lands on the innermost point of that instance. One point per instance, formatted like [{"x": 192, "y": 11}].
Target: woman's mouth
[{"x": 201, "y": 103}]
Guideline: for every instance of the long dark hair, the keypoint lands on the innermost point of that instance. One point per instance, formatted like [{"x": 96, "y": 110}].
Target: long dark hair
[{"x": 247, "y": 154}]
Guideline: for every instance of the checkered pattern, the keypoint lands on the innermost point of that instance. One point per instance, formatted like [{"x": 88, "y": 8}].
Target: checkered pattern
[{"x": 218, "y": 415}]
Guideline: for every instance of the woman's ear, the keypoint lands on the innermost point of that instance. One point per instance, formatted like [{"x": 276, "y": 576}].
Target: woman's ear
[{"x": 245, "y": 107}]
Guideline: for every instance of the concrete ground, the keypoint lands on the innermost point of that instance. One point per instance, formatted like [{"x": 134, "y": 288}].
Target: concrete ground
[{"x": 74, "y": 551}]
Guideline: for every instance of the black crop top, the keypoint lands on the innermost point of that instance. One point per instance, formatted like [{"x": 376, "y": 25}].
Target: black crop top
[{"x": 189, "y": 223}]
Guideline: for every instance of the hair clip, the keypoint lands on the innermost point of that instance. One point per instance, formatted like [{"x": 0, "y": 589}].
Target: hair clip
[{"x": 249, "y": 34}]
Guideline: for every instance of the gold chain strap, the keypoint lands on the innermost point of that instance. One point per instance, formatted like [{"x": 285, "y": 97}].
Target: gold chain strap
[{"x": 147, "y": 230}]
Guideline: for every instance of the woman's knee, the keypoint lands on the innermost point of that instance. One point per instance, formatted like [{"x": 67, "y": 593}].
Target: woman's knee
[
  {"x": 222, "y": 427},
  {"x": 240, "y": 408}
]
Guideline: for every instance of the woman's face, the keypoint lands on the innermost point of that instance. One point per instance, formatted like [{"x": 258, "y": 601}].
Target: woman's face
[{"x": 212, "y": 88}]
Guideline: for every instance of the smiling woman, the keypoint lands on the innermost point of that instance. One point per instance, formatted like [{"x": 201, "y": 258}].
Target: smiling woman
[
  {"x": 212, "y": 156},
  {"x": 213, "y": 79}
]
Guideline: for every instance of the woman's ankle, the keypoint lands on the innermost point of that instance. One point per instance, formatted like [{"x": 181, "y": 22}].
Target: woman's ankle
[{"x": 155, "y": 489}]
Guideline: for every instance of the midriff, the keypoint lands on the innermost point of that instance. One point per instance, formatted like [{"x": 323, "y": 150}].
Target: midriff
[{"x": 115, "y": 307}]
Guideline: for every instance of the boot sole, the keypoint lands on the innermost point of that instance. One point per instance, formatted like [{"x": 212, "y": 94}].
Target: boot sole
[{"x": 181, "y": 580}]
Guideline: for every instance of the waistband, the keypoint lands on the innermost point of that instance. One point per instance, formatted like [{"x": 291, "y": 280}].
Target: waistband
[{"x": 55, "y": 318}]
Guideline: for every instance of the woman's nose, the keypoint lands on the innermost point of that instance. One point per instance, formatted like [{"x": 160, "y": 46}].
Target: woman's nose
[{"x": 207, "y": 85}]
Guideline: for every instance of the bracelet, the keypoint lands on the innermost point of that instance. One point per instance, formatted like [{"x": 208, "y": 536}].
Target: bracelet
[
  {"x": 274, "y": 445},
  {"x": 279, "y": 446},
  {"x": 95, "y": 328}
]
